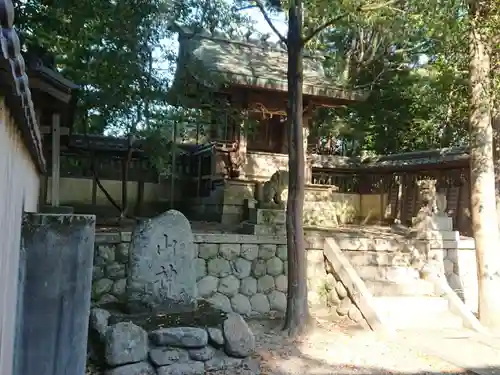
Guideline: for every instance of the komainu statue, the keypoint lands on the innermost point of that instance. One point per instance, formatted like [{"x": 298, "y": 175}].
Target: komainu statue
[
  {"x": 269, "y": 195},
  {"x": 428, "y": 195}
]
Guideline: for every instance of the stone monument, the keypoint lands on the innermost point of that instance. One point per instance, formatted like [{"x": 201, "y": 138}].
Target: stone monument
[{"x": 162, "y": 276}]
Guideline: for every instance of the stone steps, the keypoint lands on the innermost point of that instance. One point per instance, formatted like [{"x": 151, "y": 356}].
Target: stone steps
[
  {"x": 377, "y": 258},
  {"x": 380, "y": 288},
  {"x": 395, "y": 274},
  {"x": 417, "y": 312}
]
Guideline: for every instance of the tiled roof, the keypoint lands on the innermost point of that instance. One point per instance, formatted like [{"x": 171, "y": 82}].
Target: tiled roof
[
  {"x": 17, "y": 92},
  {"x": 394, "y": 162},
  {"x": 428, "y": 157},
  {"x": 215, "y": 60}
]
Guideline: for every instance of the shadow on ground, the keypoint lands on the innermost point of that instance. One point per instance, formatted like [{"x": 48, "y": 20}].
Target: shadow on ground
[{"x": 344, "y": 350}]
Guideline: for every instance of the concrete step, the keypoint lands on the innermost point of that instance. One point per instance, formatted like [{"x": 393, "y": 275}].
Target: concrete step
[
  {"x": 380, "y": 288},
  {"x": 378, "y": 258},
  {"x": 397, "y": 274},
  {"x": 417, "y": 312}
]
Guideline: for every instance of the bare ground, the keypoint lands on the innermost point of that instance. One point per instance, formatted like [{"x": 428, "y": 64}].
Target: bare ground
[{"x": 336, "y": 348}]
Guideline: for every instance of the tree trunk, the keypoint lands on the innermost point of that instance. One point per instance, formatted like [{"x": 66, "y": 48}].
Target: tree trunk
[
  {"x": 484, "y": 217},
  {"x": 495, "y": 122},
  {"x": 297, "y": 312},
  {"x": 495, "y": 70}
]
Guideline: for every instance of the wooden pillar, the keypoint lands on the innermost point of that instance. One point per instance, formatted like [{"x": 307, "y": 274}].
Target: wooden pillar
[
  {"x": 56, "y": 158},
  {"x": 400, "y": 199},
  {"x": 305, "y": 135},
  {"x": 383, "y": 184},
  {"x": 242, "y": 148},
  {"x": 174, "y": 166},
  {"x": 284, "y": 142}
]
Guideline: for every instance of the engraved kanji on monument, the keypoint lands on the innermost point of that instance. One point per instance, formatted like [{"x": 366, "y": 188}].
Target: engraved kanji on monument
[{"x": 161, "y": 272}]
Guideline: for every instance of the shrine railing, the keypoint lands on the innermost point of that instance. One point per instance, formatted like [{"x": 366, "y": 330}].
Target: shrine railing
[
  {"x": 199, "y": 170},
  {"x": 78, "y": 165}
]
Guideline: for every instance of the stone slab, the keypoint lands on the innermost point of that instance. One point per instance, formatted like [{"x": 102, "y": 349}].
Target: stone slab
[
  {"x": 57, "y": 289},
  {"x": 162, "y": 274}
]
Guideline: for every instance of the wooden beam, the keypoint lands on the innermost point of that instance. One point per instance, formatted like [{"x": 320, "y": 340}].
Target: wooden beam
[
  {"x": 357, "y": 289},
  {"x": 48, "y": 129},
  {"x": 56, "y": 158}
]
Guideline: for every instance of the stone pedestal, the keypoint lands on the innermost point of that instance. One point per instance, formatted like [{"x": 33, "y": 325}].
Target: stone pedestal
[
  {"x": 265, "y": 222},
  {"x": 441, "y": 223},
  {"x": 265, "y": 216},
  {"x": 56, "y": 294}
]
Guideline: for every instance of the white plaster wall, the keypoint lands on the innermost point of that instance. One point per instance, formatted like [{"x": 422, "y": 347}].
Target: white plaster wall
[{"x": 19, "y": 187}]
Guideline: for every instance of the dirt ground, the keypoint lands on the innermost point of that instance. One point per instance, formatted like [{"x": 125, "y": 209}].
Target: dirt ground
[{"x": 336, "y": 348}]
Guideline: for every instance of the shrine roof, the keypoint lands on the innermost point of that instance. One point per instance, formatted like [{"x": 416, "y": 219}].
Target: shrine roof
[
  {"x": 217, "y": 61},
  {"x": 435, "y": 157},
  {"x": 417, "y": 160}
]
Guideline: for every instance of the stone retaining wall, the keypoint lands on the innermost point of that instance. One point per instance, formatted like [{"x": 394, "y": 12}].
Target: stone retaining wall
[{"x": 246, "y": 274}]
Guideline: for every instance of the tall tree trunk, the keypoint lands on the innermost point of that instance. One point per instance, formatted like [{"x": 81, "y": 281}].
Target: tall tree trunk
[
  {"x": 297, "y": 312},
  {"x": 484, "y": 217},
  {"x": 495, "y": 121}
]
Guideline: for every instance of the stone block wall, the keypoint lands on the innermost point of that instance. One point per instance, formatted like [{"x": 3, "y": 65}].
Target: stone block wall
[
  {"x": 242, "y": 273},
  {"x": 246, "y": 274},
  {"x": 110, "y": 266}
]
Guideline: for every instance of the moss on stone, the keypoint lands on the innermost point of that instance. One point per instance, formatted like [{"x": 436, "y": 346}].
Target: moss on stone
[{"x": 204, "y": 316}]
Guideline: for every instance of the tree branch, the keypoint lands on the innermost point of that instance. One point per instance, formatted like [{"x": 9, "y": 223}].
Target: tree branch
[
  {"x": 245, "y": 8},
  {"x": 331, "y": 22},
  {"x": 326, "y": 25},
  {"x": 260, "y": 5}
]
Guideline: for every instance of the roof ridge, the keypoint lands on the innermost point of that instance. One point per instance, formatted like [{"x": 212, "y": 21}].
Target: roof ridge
[{"x": 261, "y": 43}]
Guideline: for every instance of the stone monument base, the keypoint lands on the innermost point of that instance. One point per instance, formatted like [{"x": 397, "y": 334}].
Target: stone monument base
[
  {"x": 433, "y": 223},
  {"x": 170, "y": 346},
  {"x": 265, "y": 222},
  {"x": 266, "y": 216},
  {"x": 262, "y": 230}
]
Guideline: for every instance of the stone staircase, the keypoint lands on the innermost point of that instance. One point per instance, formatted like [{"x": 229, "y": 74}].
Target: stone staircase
[
  {"x": 404, "y": 312},
  {"x": 399, "y": 294}
]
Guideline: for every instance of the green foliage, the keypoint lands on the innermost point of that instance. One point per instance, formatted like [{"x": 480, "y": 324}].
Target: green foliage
[
  {"x": 121, "y": 55},
  {"x": 412, "y": 105},
  {"x": 119, "y": 52}
]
